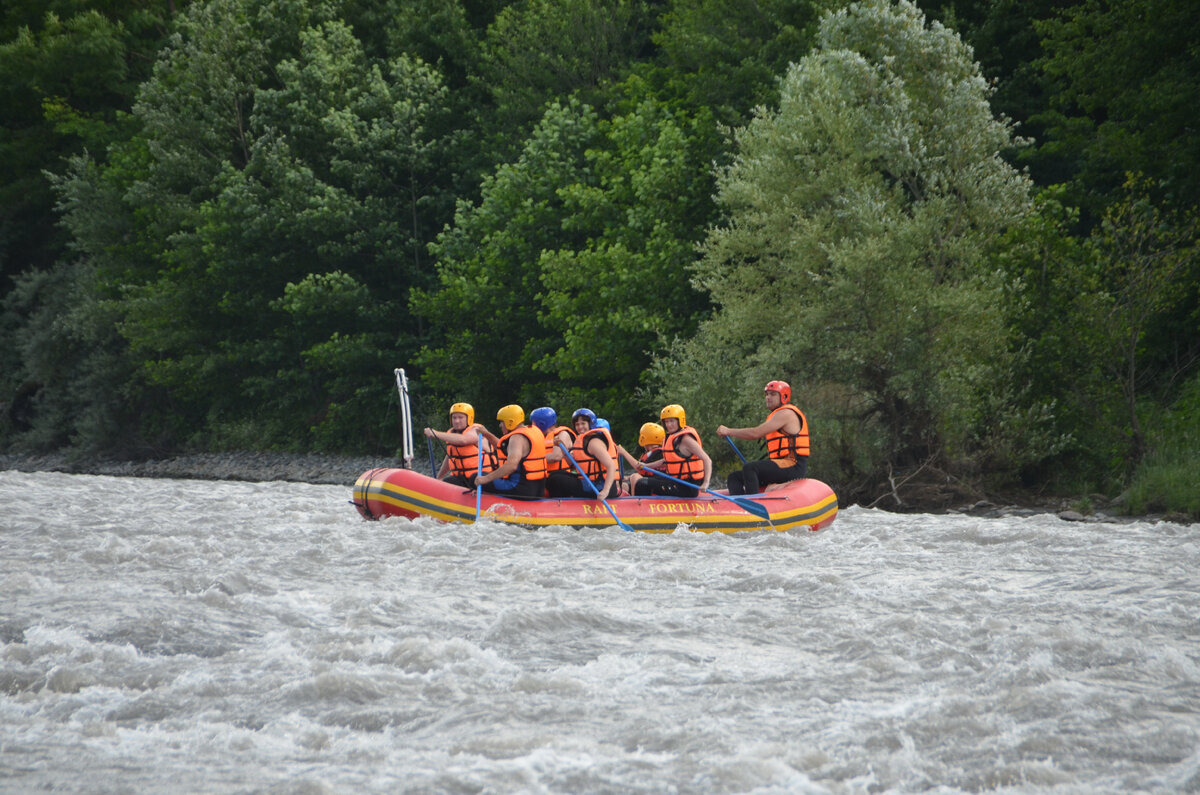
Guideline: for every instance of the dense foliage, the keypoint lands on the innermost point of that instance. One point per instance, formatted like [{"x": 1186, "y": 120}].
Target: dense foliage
[{"x": 967, "y": 235}]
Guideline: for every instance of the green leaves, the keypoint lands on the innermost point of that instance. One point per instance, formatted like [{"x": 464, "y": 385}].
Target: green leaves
[{"x": 860, "y": 214}]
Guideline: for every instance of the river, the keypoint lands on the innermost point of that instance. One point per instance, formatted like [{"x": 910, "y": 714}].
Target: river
[{"x": 169, "y": 636}]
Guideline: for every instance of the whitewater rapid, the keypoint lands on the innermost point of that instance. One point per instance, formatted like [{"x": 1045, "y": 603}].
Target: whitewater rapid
[{"x": 164, "y": 636}]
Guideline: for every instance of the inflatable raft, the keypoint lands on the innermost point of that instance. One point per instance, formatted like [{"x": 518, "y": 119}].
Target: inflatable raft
[{"x": 801, "y": 504}]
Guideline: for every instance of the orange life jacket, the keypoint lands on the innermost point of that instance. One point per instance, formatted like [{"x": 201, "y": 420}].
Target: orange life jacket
[
  {"x": 552, "y": 444},
  {"x": 592, "y": 468},
  {"x": 533, "y": 466},
  {"x": 464, "y": 459},
  {"x": 784, "y": 447},
  {"x": 651, "y": 455},
  {"x": 691, "y": 468}
]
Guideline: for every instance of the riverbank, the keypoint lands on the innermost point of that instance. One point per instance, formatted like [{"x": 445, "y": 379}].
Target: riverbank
[
  {"x": 249, "y": 466},
  {"x": 344, "y": 470}
]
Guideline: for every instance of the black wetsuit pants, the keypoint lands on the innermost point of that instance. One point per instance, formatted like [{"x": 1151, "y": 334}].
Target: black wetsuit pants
[
  {"x": 756, "y": 474},
  {"x": 651, "y": 485}
]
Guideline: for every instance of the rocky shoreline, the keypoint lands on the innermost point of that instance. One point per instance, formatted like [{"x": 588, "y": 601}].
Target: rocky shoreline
[
  {"x": 249, "y": 466},
  {"x": 344, "y": 470}
]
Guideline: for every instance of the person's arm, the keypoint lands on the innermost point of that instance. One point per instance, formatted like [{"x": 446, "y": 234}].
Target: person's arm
[
  {"x": 469, "y": 436},
  {"x": 599, "y": 451},
  {"x": 707, "y": 467},
  {"x": 555, "y": 453},
  {"x": 633, "y": 462},
  {"x": 486, "y": 434},
  {"x": 772, "y": 423},
  {"x": 518, "y": 448}
]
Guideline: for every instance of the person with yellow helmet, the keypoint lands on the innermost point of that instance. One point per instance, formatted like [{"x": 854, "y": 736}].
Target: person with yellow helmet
[
  {"x": 595, "y": 452},
  {"x": 462, "y": 447},
  {"x": 683, "y": 457},
  {"x": 786, "y": 432},
  {"x": 522, "y": 454},
  {"x": 650, "y": 439}
]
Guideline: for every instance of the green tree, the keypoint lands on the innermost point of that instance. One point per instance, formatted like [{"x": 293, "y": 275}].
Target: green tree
[
  {"x": 855, "y": 257},
  {"x": 574, "y": 265},
  {"x": 1145, "y": 253},
  {"x": 541, "y": 51},
  {"x": 726, "y": 55},
  {"x": 489, "y": 336},
  {"x": 1055, "y": 304},
  {"x": 307, "y": 171},
  {"x": 1124, "y": 83},
  {"x": 68, "y": 70}
]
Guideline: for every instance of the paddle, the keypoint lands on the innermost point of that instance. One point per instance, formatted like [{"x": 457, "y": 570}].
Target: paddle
[
  {"x": 735, "y": 449},
  {"x": 592, "y": 486},
  {"x": 746, "y": 505},
  {"x": 478, "y": 475}
]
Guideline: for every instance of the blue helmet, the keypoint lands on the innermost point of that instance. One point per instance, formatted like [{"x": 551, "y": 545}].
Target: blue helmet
[
  {"x": 544, "y": 418},
  {"x": 588, "y": 413},
  {"x": 602, "y": 423}
]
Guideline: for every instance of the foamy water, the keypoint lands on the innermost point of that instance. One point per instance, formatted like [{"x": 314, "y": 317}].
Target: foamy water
[{"x": 187, "y": 636}]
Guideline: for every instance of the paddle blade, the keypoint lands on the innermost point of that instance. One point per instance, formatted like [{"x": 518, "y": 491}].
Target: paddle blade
[{"x": 753, "y": 507}]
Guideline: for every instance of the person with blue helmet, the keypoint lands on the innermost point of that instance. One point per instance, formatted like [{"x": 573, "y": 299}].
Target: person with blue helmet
[
  {"x": 546, "y": 419},
  {"x": 595, "y": 453}
]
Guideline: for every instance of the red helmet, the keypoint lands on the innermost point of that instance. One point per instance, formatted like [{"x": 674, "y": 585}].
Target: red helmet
[{"x": 782, "y": 387}]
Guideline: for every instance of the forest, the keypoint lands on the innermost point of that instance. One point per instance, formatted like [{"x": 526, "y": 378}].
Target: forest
[{"x": 964, "y": 232}]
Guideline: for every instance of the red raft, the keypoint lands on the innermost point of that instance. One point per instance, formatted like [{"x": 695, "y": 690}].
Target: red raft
[{"x": 801, "y": 504}]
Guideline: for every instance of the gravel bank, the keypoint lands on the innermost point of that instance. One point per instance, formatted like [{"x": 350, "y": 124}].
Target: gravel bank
[{"x": 301, "y": 468}]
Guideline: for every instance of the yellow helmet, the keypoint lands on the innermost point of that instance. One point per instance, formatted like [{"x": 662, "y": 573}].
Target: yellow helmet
[
  {"x": 464, "y": 408},
  {"x": 651, "y": 433},
  {"x": 511, "y": 415},
  {"x": 676, "y": 411}
]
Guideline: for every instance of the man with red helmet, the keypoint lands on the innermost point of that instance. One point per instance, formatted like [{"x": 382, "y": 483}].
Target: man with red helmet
[{"x": 786, "y": 433}]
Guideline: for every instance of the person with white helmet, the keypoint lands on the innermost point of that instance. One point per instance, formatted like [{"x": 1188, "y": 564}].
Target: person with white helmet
[
  {"x": 462, "y": 447},
  {"x": 522, "y": 453},
  {"x": 786, "y": 432}
]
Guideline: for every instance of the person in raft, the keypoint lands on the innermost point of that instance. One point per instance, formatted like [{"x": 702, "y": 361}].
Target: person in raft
[
  {"x": 683, "y": 457},
  {"x": 596, "y": 454},
  {"x": 650, "y": 439},
  {"x": 522, "y": 456},
  {"x": 462, "y": 447},
  {"x": 786, "y": 433},
  {"x": 546, "y": 419}
]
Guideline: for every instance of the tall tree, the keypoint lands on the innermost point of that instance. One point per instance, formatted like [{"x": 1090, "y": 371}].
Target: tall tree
[
  {"x": 726, "y": 55},
  {"x": 67, "y": 72},
  {"x": 283, "y": 206},
  {"x": 574, "y": 264},
  {"x": 1148, "y": 259},
  {"x": 1125, "y": 84},
  {"x": 537, "y": 52},
  {"x": 854, "y": 261}
]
